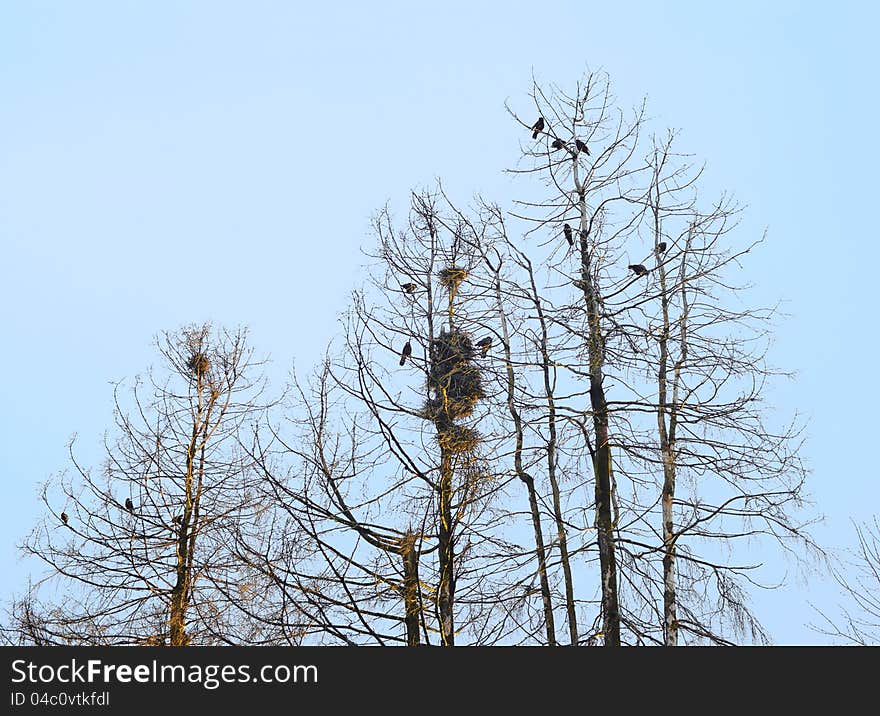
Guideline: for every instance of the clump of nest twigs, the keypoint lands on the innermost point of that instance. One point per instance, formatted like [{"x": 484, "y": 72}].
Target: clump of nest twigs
[
  {"x": 453, "y": 379},
  {"x": 199, "y": 364},
  {"x": 458, "y": 439},
  {"x": 452, "y": 277}
]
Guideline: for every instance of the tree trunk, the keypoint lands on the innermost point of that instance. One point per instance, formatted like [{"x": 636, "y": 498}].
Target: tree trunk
[
  {"x": 541, "y": 554},
  {"x": 670, "y": 618},
  {"x": 561, "y": 536},
  {"x": 180, "y": 591},
  {"x": 527, "y": 480},
  {"x": 602, "y": 460},
  {"x": 411, "y": 589},
  {"x": 604, "y": 521},
  {"x": 446, "y": 553}
]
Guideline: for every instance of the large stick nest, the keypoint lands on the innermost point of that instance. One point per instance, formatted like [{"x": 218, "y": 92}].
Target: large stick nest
[
  {"x": 453, "y": 379},
  {"x": 452, "y": 277},
  {"x": 458, "y": 439},
  {"x": 199, "y": 364}
]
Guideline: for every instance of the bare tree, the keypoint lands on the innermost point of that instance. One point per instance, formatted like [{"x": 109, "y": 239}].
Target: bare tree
[
  {"x": 141, "y": 549},
  {"x": 674, "y": 318},
  {"x": 382, "y": 465},
  {"x": 583, "y": 189},
  {"x": 533, "y": 417}
]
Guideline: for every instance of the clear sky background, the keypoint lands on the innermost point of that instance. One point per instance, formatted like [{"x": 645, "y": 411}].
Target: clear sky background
[{"x": 169, "y": 162}]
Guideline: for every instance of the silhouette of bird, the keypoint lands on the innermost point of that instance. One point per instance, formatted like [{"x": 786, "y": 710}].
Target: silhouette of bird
[
  {"x": 485, "y": 344},
  {"x": 177, "y": 519},
  {"x": 129, "y": 505},
  {"x": 566, "y": 229},
  {"x": 581, "y": 147},
  {"x": 558, "y": 144},
  {"x": 64, "y": 517},
  {"x": 661, "y": 247},
  {"x": 408, "y": 287},
  {"x": 638, "y": 269},
  {"x": 407, "y": 351},
  {"x": 537, "y": 127}
]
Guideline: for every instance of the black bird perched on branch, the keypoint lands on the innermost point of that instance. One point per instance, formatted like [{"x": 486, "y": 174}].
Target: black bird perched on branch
[
  {"x": 581, "y": 147},
  {"x": 537, "y": 127},
  {"x": 661, "y": 247},
  {"x": 64, "y": 517},
  {"x": 129, "y": 505},
  {"x": 638, "y": 269},
  {"x": 485, "y": 344},
  {"x": 558, "y": 144},
  {"x": 409, "y": 287},
  {"x": 566, "y": 229},
  {"x": 407, "y": 351}
]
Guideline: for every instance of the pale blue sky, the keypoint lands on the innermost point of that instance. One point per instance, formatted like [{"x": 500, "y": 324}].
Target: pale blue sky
[{"x": 168, "y": 162}]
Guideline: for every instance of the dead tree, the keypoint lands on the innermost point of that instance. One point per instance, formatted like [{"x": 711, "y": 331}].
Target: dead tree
[
  {"x": 582, "y": 191},
  {"x": 144, "y": 556},
  {"x": 381, "y": 466},
  {"x": 637, "y": 206},
  {"x": 706, "y": 353},
  {"x": 616, "y": 381}
]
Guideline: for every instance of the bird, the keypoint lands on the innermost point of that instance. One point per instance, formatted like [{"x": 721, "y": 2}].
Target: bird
[
  {"x": 407, "y": 351},
  {"x": 661, "y": 247},
  {"x": 129, "y": 505},
  {"x": 485, "y": 344},
  {"x": 638, "y": 269},
  {"x": 64, "y": 517},
  {"x": 566, "y": 229},
  {"x": 537, "y": 127},
  {"x": 408, "y": 287},
  {"x": 558, "y": 144},
  {"x": 177, "y": 519},
  {"x": 581, "y": 147}
]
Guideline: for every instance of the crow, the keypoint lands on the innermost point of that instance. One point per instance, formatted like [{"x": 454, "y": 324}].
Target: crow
[
  {"x": 485, "y": 344},
  {"x": 661, "y": 247},
  {"x": 129, "y": 505},
  {"x": 407, "y": 351},
  {"x": 566, "y": 229},
  {"x": 409, "y": 287},
  {"x": 558, "y": 144},
  {"x": 638, "y": 269},
  {"x": 64, "y": 517},
  {"x": 581, "y": 147},
  {"x": 537, "y": 127}
]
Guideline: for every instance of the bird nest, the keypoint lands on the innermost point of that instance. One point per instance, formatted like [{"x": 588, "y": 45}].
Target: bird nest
[
  {"x": 450, "y": 353},
  {"x": 453, "y": 379},
  {"x": 199, "y": 364},
  {"x": 440, "y": 410},
  {"x": 452, "y": 277},
  {"x": 458, "y": 439}
]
